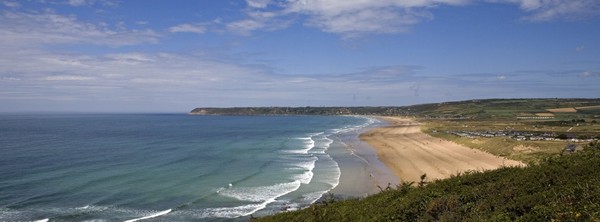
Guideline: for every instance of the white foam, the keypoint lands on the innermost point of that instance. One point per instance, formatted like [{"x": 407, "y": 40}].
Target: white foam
[
  {"x": 158, "y": 214},
  {"x": 307, "y": 166},
  {"x": 322, "y": 144},
  {"x": 307, "y": 163},
  {"x": 333, "y": 171},
  {"x": 83, "y": 208},
  {"x": 316, "y": 134},
  {"x": 43, "y": 220},
  {"x": 261, "y": 195},
  {"x": 311, "y": 198},
  {"x": 232, "y": 212},
  {"x": 307, "y": 142},
  {"x": 304, "y": 178},
  {"x": 349, "y": 128}
]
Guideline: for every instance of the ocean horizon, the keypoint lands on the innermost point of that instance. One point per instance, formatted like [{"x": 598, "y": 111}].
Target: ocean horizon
[{"x": 167, "y": 167}]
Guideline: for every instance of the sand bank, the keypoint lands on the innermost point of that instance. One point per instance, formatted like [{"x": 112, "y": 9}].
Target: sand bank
[{"x": 410, "y": 153}]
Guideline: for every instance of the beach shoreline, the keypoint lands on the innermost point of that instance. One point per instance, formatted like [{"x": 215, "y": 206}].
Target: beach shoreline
[
  {"x": 362, "y": 173},
  {"x": 410, "y": 153}
]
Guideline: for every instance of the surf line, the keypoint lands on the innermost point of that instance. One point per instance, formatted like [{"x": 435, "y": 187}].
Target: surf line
[{"x": 151, "y": 216}]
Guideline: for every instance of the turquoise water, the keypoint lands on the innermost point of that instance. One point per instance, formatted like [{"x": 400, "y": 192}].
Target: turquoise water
[{"x": 165, "y": 167}]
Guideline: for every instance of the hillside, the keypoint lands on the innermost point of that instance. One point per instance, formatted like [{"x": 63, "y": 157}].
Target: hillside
[
  {"x": 510, "y": 108},
  {"x": 470, "y": 109},
  {"x": 522, "y": 129},
  {"x": 245, "y": 111},
  {"x": 563, "y": 188}
]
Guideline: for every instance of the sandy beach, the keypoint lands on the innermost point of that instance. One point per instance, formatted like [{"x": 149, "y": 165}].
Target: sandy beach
[{"x": 410, "y": 153}]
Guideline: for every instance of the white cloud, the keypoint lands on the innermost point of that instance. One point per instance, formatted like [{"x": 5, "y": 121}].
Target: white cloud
[
  {"x": 179, "y": 82},
  {"x": 32, "y": 29},
  {"x": 256, "y": 21},
  {"x": 80, "y": 2},
  {"x": 193, "y": 28},
  {"x": 359, "y": 17},
  {"x": 69, "y": 78},
  {"x": 245, "y": 27},
  {"x": 374, "y": 20},
  {"x": 349, "y": 17},
  {"x": 587, "y": 74},
  {"x": 548, "y": 10},
  {"x": 258, "y": 3},
  {"x": 11, "y": 4},
  {"x": 580, "y": 48}
]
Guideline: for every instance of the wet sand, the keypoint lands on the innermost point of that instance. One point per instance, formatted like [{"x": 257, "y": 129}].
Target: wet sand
[
  {"x": 362, "y": 173},
  {"x": 410, "y": 153}
]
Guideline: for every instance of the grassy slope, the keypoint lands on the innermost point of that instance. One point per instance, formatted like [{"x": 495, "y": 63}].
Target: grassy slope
[
  {"x": 501, "y": 114},
  {"x": 564, "y": 188},
  {"x": 506, "y": 108},
  {"x": 499, "y": 146}
]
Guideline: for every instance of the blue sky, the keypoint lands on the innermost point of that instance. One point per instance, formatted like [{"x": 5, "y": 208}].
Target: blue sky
[{"x": 173, "y": 56}]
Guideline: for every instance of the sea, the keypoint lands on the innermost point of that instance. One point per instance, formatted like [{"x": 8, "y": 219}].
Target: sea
[{"x": 167, "y": 167}]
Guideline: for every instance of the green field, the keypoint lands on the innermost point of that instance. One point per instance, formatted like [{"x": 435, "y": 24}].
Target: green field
[
  {"x": 507, "y": 108},
  {"x": 521, "y": 115},
  {"x": 526, "y": 151}
]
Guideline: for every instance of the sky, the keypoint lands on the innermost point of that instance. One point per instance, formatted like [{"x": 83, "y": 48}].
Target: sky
[{"x": 173, "y": 56}]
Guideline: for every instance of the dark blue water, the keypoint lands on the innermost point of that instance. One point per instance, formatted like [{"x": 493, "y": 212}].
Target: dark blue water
[{"x": 164, "y": 167}]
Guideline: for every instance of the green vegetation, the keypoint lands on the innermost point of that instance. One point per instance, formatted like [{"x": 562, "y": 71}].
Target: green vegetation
[
  {"x": 560, "y": 188},
  {"x": 527, "y": 151},
  {"x": 570, "y": 118},
  {"x": 245, "y": 111},
  {"x": 470, "y": 109},
  {"x": 509, "y": 109}
]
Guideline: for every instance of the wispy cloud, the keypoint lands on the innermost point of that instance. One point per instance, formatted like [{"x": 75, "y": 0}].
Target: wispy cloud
[
  {"x": 258, "y": 3},
  {"x": 543, "y": 10},
  {"x": 193, "y": 28},
  {"x": 26, "y": 29},
  {"x": 258, "y": 20},
  {"x": 179, "y": 82},
  {"x": 348, "y": 18},
  {"x": 11, "y": 4},
  {"x": 586, "y": 74},
  {"x": 80, "y": 2},
  {"x": 352, "y": 18},
  {"x": 356, "y": 17},
  {"x": 246, "y": 26},
  {"x": 31, "y": 70}
]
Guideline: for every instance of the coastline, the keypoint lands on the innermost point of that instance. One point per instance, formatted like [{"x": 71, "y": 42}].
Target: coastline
[
  {"x": 362, "y": 173},
  {"x": 410, "y": 153}
]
